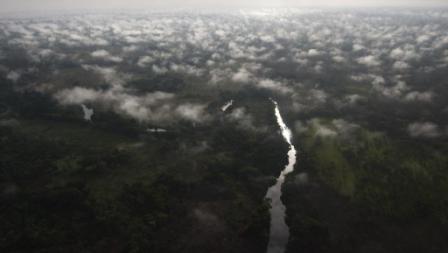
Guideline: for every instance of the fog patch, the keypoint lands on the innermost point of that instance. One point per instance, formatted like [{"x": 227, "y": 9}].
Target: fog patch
[
  {"x": 369, "y": 61},
  {"x": 423, "y": 129},
  {"x": 14, "y": 76},
  {"x": 77, "y": 95},
  {"x": 274, "y": 86},
  {"x": 301, "y": 178},
  {"x": 192, "y": 112},
  {"x": 243, "y": 119},
  {"x": 334, "y": 128},
  {"x": 426, "y": 96},
  {"x": 106, "y": 56},
  {"x": 242, "y": 76},
  {"x": 9, "y": 123}
]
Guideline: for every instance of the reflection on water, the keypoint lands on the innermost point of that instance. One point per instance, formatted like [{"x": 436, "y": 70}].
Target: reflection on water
[
  {"x": 227, "y": 105},
  {"x": 88, "y": 113},
  {"x": 279, "y": 231}
]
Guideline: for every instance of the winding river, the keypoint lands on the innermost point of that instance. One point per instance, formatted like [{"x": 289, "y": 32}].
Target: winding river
[{"x": 279, "y": 231}]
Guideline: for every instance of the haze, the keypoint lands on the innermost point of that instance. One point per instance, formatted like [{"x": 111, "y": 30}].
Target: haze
[{"x": 30, "y": 5}]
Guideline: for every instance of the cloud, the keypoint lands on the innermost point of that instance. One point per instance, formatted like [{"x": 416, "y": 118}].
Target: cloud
[
  {"x": 192, "y": 112},
  {"x": 133, "y": 107},
  {"x": 426, "y": 96},
  {"x": 353, "y": 98},
  {"x": 110, "y": 75},
  {"x": 144, "y": 61},
  {"x": 301, "y": 178},
  {"x": 243, "y": 119},
  {"x": 274, "y": 86},
  {"x": 300, "y": 127},
  {"x": 266, "y": 49},
  {"x": 392, "y": 92},
  {"x": 242, "y": 76},
  {"x": 150, "y": 107},
  {"x": 326, "y": 129},
  {"x": 338, "y": 59},
  {"x": 313, "y": 52},
  {"x": 77, "y": 95},
  {"x": 400, "y": 66},
  {"x": 423, "y": 129},
  {"x": 14, "y": 76},
  {"x": 105, "y": 55},
  {"x": 397, "y": 54},
  {"x": 369, "y": 61},
  {"x": 344, "y": 128}
]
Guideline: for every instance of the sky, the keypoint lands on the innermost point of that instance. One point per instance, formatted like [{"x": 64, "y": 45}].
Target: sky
[{"x": 27, "y": 5}]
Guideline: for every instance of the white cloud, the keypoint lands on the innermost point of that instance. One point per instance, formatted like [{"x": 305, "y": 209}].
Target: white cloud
[
  {"x": 400, "y": 66},
  {"x": 313, "y": 52},
  {"x": 353, "y": 98},
  {"x": 397, "y": 54},
  {"x": 274, "y": 85},
  {"x": 426, "y": 96},
  {"x": 105, "y": 55},
  {"x": 324, "y": 131},
  {"x": 242, "y": 76},
  {"x": 144, "y": 61},
  {"x": 13, "y": 76},
  {"x": 192, "y": 112},
  {"x": 392, "y": 92},
  {"x": 369, "y": 61},
  {"x": 77, "y": 95},
  {"x": 243, "y": 119},
  {"x": 335, "y": 128},
  {"x": 423, "y": 129}
]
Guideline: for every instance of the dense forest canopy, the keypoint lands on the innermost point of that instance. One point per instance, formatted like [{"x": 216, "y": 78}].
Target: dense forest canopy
[{"x": 153, "y": 131}]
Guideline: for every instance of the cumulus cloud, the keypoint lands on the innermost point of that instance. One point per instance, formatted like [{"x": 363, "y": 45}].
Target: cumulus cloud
[
  {"x": 334, "y": 128},
  {"x": 13, "y": 76},
  {"x": 77, "y": 95},
  {"x": 369, "y": 61},
  {"x": 192, "y": 112},
  {"x": 353, "y": 98},
  {"x": 150, "y": 107},
  {"x": 243, "y": 119},
  {"x": 301, "y": 178},
  {"x": 242, "y": 76},
  {"x": 313, "y": 52},
  {"x": 105, "y": 55},
  {"x": 400, "y": 65},
  {"x": 344, "y": 127},
  {"x": 144, "y": 61},
  {"x": 394, "y": 91},
  {"x": 324, "y": 131},
  {"x": 423, "y": 129},
  {"x": 110, "y": 75},
  {"x": 426, "y": 96},
  {"x": 274, "y": 85},
  {"x": 254, "y": 48}
]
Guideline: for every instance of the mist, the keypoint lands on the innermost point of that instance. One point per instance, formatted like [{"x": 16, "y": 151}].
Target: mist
[{"x": 70, "y": 5}]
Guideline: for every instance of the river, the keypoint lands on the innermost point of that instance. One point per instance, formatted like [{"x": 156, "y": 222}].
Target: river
[{"x": 279, "y": 231}]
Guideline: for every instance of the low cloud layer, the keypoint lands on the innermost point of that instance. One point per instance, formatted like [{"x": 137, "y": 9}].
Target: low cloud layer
[
  {"x": 13, "y": 5},
  {"x": 317, "y": 61}
]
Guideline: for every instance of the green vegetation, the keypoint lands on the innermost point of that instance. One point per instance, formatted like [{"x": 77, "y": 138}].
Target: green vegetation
[
  {"x": 70, "y": 185},
  {"x": 395, "y": 188}
]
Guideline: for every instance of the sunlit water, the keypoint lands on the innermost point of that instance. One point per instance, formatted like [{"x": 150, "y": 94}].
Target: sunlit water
[
  {"x": 88, "y": 113},
  {"x": 279, "y": 231},
  {"x": 227, "y": 105}
]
